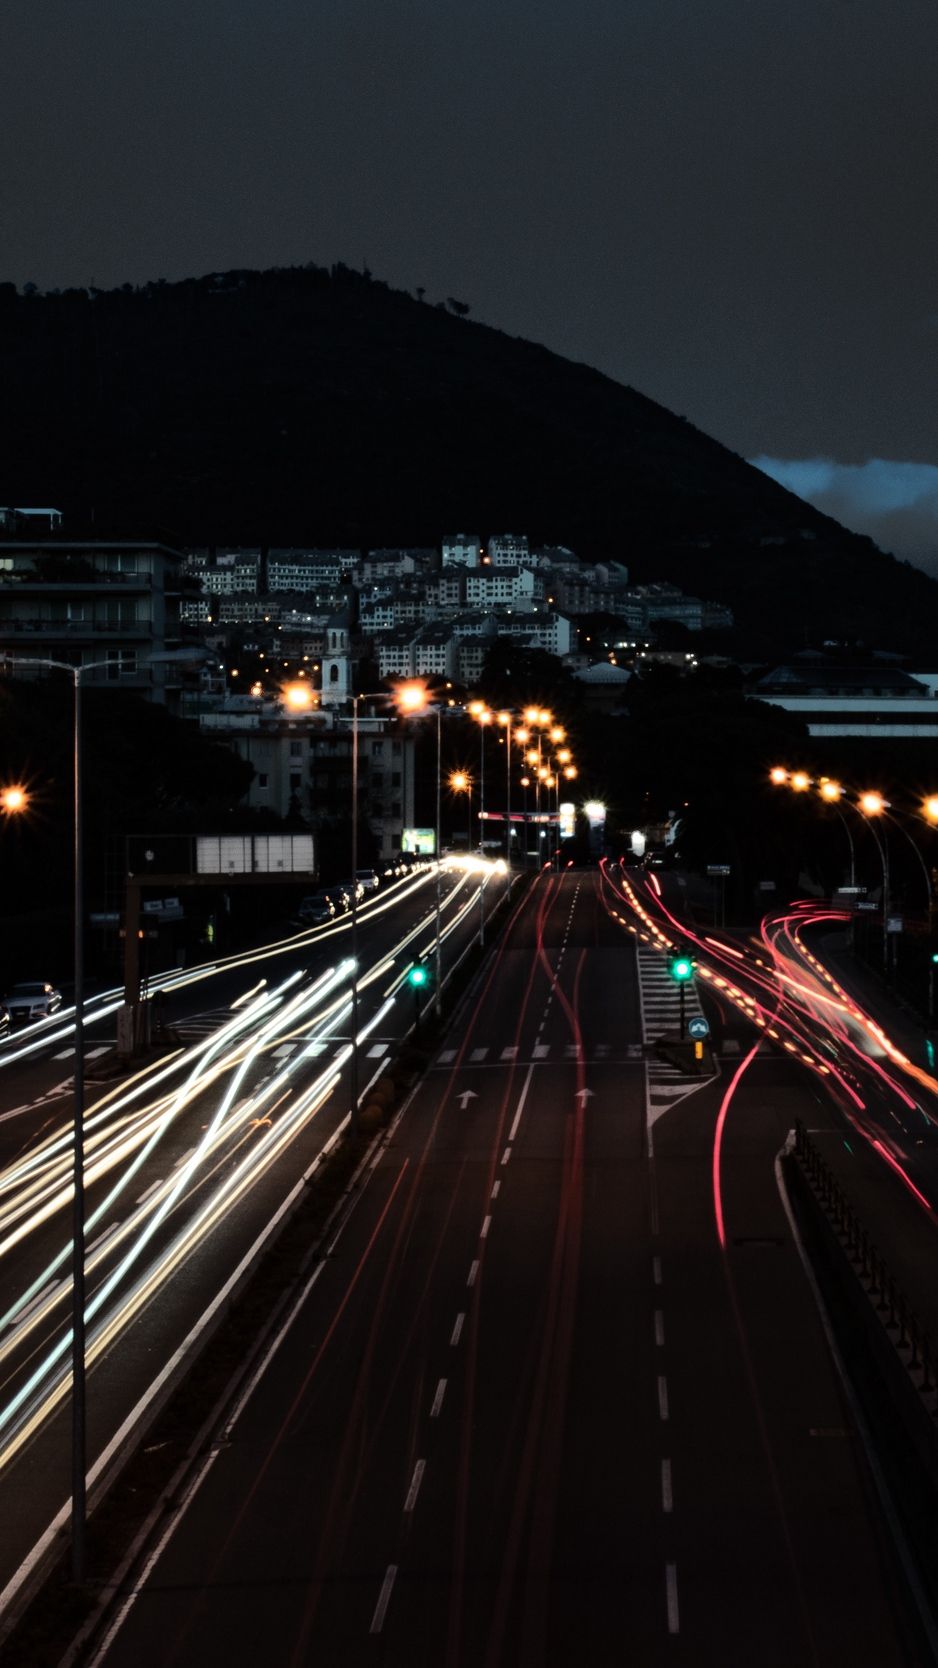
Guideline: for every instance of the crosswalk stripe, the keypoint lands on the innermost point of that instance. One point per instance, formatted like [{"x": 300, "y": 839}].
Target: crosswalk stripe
[{"x": 477, "y": 1056}]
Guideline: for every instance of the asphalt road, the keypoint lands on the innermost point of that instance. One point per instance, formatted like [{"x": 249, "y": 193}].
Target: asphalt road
[
  {"x": 554, "y": 1396},
  {"x": 34, "y": 1483}
]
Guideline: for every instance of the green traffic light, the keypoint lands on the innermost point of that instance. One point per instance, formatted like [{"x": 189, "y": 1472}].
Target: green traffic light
[
  {"x": 681, "y": 968},
  {"x": 417, "y": 976}
]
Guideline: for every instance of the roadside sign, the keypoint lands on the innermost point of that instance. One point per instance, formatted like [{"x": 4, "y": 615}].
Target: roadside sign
[
  {"x": 718, "y": 868},
  {"x": 893, "y": 923},
  {"x": 698, "y": 1027},
  {"x": 853, "y": 890},
  {"x": 766, "y": 886}
]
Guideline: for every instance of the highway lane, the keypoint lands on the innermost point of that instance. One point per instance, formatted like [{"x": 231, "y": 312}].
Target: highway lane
[
  {"x": 205, "y": 1178},
  {"x": 543, "y": 1404}
]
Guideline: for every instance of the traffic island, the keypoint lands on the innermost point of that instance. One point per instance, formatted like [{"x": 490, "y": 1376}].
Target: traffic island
[{"x": 691, "y": 1056}]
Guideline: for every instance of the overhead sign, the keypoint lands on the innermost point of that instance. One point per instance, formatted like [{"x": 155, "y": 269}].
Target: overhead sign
[
  {"x": 718, "y": 868},
  {"x": 850, "y": 890},
  {"x": 247, "y": 854},
  {"x": 698, "y": 1027}
]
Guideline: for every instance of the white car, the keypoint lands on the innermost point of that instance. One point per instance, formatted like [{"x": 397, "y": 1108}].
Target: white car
[{"x": 26, "y": 1002}]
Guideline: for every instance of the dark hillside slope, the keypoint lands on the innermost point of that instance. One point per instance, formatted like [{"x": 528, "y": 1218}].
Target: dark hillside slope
[{"x": 300, "y": 405}]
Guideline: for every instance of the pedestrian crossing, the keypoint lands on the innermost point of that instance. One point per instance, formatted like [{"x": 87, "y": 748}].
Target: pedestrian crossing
[
  {"x": 541, "y": 1053},
  {"x": 661, "y": 1013}
]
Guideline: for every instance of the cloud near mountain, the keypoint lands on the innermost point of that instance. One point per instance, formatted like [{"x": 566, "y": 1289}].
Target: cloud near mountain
[{"x": 894, "y": 503}]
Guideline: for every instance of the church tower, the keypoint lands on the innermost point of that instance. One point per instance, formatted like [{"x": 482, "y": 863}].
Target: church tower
[{"x": 337, "y": 660}]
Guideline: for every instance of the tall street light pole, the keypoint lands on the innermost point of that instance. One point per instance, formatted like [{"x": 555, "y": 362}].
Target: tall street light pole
[
  {"x": 413, "y": 701},
  {"x": 79, "y": 1420}
]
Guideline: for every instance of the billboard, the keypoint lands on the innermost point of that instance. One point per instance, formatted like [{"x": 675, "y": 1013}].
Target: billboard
[{"x": 420, "y": 840}]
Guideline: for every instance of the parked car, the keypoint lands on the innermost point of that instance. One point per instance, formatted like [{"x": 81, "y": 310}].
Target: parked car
[
  {"x": 341, "y": 896},
  {"x": 315, "y": 909},
  {"x": 369, "y": 879},
  {"x": 33, "y": 1000}
]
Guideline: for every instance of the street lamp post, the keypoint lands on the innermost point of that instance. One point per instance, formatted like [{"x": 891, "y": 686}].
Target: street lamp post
[
  {"x": 79, "y": 1422},
  {"x": 413, "y": 701}
]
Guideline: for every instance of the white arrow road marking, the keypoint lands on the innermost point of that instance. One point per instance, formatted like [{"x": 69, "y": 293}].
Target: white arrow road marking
[{"x": 466, "y": 1096}]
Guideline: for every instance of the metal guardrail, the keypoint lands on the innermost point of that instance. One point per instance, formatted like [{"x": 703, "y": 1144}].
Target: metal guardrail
[{"x": 891, "y": 1303}]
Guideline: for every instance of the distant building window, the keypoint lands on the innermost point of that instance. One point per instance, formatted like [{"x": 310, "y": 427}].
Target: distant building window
[
  {"x": 262, "y": 781},
  {"x": 296, "y": 749},
  {"x": 333, "y": 674},
  {"x": 295, "y": 781}
]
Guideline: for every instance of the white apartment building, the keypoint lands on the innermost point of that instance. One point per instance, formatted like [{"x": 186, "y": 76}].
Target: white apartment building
[
  {"x": 461, "y": 550},
  {"x": 435, "y": 653},
  {"x": 494, "y": 587},
  {"x": 235, "y": 571},
  {"x": 394, "y": 653},
  {"x": 510, "y": 550},
  {"x": 553, "y": 632}
]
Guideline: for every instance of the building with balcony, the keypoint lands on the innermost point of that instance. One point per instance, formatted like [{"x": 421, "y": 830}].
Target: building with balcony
[{"x": 107, "y": 606}]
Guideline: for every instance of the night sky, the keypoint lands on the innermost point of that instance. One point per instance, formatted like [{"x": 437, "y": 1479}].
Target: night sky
[{"x": 729, "y": 204}]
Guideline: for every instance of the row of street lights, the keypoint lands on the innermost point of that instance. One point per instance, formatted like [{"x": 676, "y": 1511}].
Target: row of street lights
[{"x": 870, "y": 805}]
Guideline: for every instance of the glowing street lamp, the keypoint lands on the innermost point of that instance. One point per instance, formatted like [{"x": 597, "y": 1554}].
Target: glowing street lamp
[
  {"x": 831, "y": 791},
  {"x": 298, "y": 696},
  {"x": 800, "y": 781},
  {"x": 412, "y": 700},
  {"x": 930, "y": 807},
  {"x": 13, "y": 799},
  {"x": 872, "y": 804},
  {"x": 779, "y": 775}
]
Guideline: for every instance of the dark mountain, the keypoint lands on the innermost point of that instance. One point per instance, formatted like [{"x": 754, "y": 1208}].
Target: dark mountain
[{"x": 302, "y": 405}]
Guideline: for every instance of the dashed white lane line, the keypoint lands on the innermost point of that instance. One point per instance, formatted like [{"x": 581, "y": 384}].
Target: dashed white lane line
[
  {"x": 415, "y": 1483},
  {"x": 457, "y": 1330},
  {"x": 506, "y": 1155},
  {"x": 662, "y": 1396},
  {"x": 384, "y": 1599},
  {"x": 473, "y": 1271},
  {"x": 667, "y": 1493},
  {"x": 656, "y": 1270},
  {"x": 438, "y": 1398},
  {"x": 520, "y": 1108},
  {"x": 149, "y": 1192},
  {"x": 96, "y": 1244},
  {"x": 485, "y": 1227},
  {"x": 495, "y": 1189},
  {"x": 659, "y": 1329},
  {"x": 40, "y": 1298},
  {"x": 674, "y": 1619}
]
